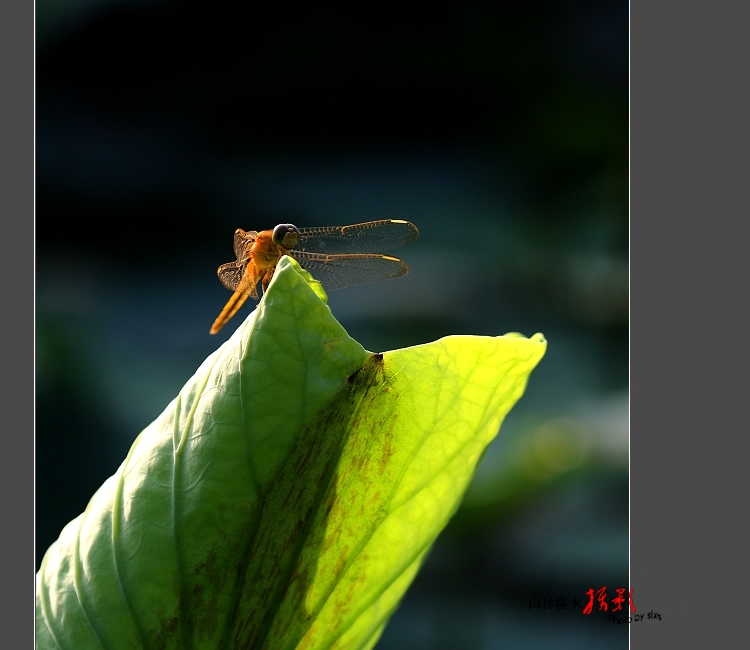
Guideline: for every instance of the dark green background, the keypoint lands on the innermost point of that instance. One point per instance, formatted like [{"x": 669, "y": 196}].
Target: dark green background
[{"x": 501, "y": 130}]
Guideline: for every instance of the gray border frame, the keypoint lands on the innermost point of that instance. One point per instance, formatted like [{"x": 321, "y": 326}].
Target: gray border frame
[
  {"x": 17, "y": 72},
  {"x": 688, "y": 111}
]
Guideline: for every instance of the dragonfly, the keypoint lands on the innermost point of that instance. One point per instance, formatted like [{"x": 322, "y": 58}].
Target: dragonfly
[{"x": 337, "y": 256}]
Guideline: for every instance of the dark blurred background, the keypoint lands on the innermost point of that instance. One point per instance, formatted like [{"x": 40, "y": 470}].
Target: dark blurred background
[{"x": 500, "y": 129}]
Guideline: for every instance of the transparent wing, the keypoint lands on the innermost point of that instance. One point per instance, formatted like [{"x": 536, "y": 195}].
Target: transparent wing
[
  {"x": 369, "y": 237},
  {"x": 242, "y": 239},
  {"x": 230, "y": 274},
  {"x": 340, "y": 271}
]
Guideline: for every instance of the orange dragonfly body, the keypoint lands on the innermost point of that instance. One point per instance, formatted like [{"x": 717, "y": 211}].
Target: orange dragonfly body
[{"x": 337, "y": 256}]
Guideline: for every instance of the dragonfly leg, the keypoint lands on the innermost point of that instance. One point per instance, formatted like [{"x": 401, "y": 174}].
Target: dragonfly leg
[{"x": 267, "y": 279}]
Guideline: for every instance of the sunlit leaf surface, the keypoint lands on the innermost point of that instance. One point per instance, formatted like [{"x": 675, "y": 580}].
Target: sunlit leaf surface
[{"x": 288, "y": 495}]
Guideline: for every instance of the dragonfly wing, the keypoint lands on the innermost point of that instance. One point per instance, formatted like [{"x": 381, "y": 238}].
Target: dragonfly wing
[
  {"x": 242, "y": 239},
  {"x": 340, "y": 271},
  {"x": 230, "y": 274},
  {"x": 369, "y": 237}
]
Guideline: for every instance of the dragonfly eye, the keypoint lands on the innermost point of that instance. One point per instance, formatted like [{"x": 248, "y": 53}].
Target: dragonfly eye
[{"x": 286, "y": 235}]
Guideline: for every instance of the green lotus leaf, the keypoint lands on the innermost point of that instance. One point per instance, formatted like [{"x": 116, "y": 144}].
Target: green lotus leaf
[{"x": 288, "y": 495}]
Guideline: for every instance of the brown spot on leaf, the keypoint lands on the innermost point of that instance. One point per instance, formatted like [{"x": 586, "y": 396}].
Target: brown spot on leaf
[{"x": 303, "y": 517}]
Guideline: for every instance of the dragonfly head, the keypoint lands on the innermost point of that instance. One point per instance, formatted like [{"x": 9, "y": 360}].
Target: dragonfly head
[{"x": 286, "y": 235}]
